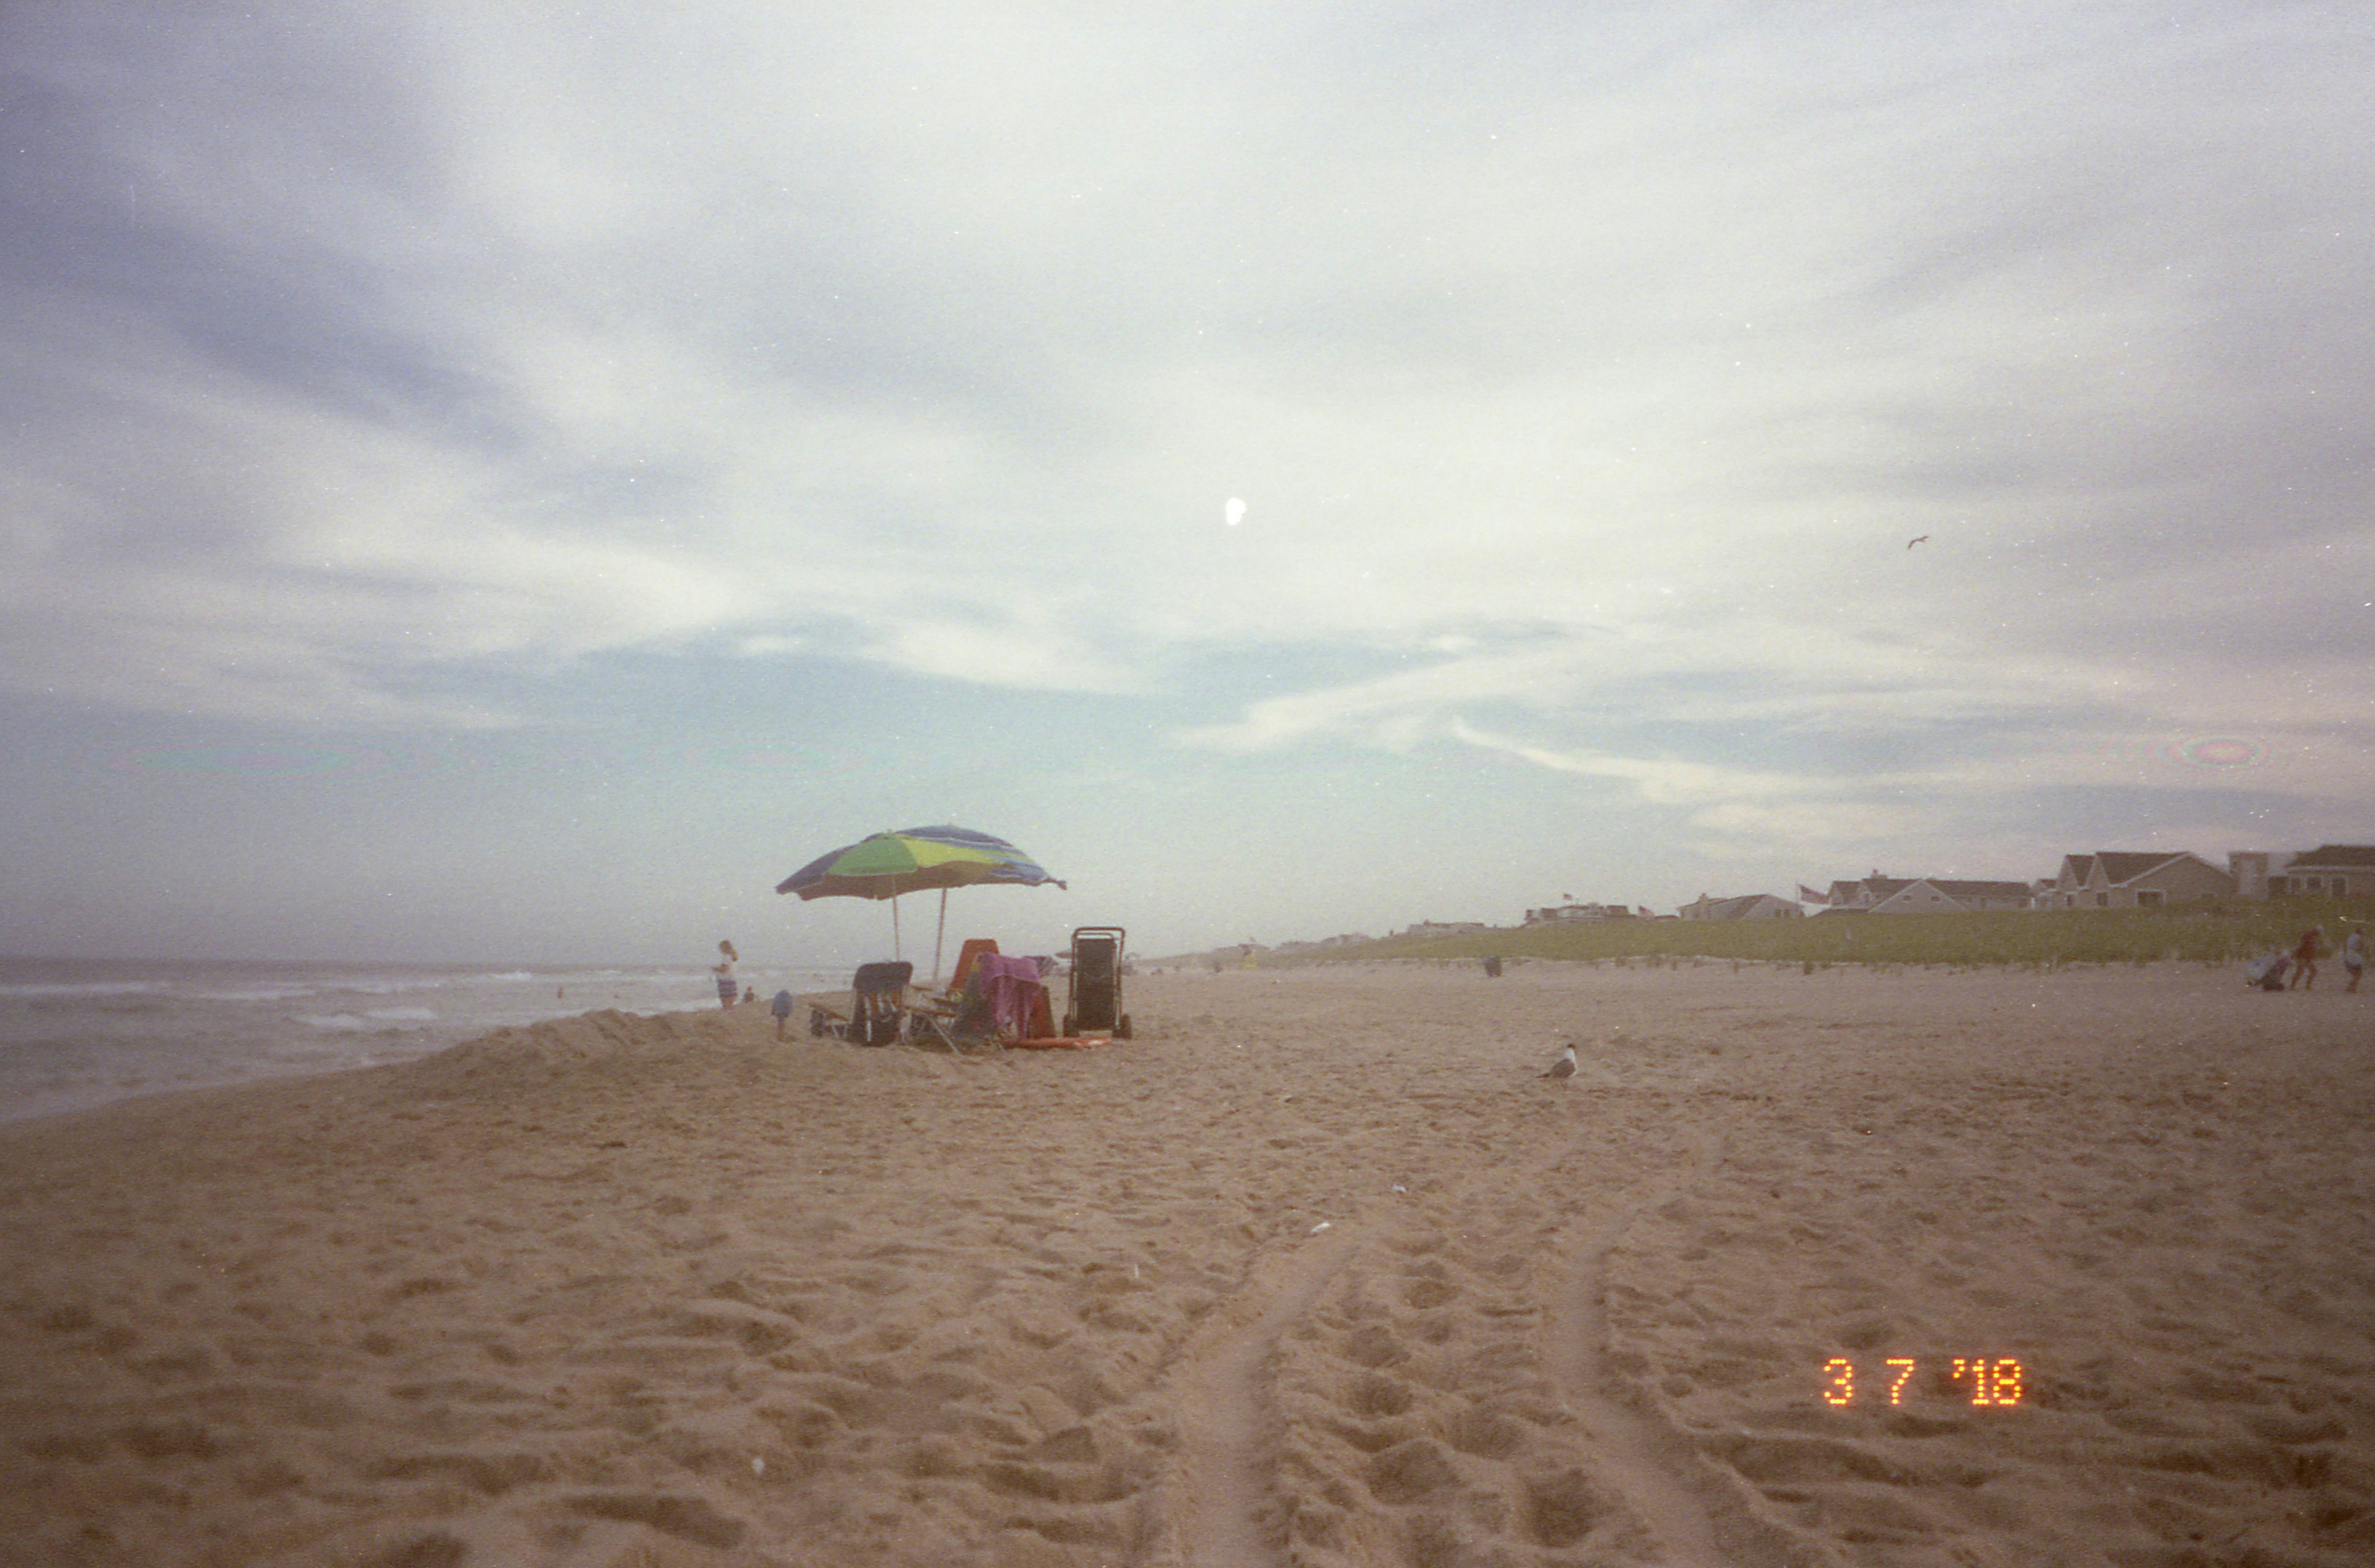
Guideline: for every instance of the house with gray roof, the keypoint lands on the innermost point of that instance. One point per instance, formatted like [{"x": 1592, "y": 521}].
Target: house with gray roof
[
  {"x": 2333, "y": 870},
  {"x": 1751, "y": 906},
  {"x": 2134, "y": 879},
  {"x": 1877, "y": 894},
  {"x": 1953, "y": 895}
]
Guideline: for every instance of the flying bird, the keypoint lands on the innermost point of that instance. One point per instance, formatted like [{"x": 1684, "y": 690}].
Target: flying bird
[
  {"x": 1922, "y": 540},
  {"x": 1564, "y": 1066}
]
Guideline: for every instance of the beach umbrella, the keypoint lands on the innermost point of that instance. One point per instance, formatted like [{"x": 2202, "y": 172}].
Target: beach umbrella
[{"x": 910, "y": 860}]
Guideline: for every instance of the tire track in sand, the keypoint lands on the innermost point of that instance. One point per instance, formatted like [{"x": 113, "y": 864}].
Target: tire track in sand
[
  {"x": 1223, "y": 1507},
  {"x": 1223, "y": 1511},
  {"x": 1695, "y": 1521}
]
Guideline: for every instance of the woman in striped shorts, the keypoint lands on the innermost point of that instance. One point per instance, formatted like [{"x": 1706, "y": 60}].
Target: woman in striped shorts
[{"x": 729, "y": 990}]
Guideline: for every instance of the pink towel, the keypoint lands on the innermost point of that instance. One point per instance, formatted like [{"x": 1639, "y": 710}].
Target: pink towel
[{"x": 1009, "y": 983}]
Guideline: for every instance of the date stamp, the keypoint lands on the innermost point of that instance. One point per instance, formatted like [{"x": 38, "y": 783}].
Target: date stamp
[{"x": 1994, "y": 1383}]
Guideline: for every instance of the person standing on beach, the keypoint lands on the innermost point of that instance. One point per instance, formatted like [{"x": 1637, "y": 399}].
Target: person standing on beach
[
  {"x": 729, "y": 988},
  {"x": 2305, "y": 958},
  {"x": 782, "y": 1007},
  {"x": 2354, "y": 957}
]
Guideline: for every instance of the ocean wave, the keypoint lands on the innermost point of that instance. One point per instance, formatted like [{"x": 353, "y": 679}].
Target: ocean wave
[
  {"x": 337, "y": 1023},
  {"x": 90, "y": 988},
  {"x": 403, "y": 1015}
]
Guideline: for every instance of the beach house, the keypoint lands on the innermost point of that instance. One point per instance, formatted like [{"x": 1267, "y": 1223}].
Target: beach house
[
  {"x": 1557, "y": 913},
  {"x": 1877, "y": 894},
  {"x": 2333, "y": 870},
  {"x": 1751, "y": 906},
  {"x": 2125, "y": 879},
  {"x": 1442, "y": 929}
]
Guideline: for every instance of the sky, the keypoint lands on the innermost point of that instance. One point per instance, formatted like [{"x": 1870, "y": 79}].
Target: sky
[{"x": 511, "y": 484}]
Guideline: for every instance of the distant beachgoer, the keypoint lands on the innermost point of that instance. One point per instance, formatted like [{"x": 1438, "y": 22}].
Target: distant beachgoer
[
  {"x": 1492, "y": 969},
  {"x": 2305, "y": 958},
  {"x": 2267, "y": 972},
  {"x": 782, "y": 1007},
  {"x": 727, "y": 986},
  {"x": 2354, "y": 958},
  {"x": 749, "y": 994}
]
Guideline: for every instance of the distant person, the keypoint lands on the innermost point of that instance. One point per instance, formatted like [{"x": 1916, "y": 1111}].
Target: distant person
[
  {"x": 727, "y": 986},
  {"x": 1492, "y": 969},
  {"x": 2354, "y": 958},
  {"x": 2267, "y": 971},
  {"x": 2305, "y": 958},
  {"x": 782, "y": 1007},
  {"x": 749, "y": 994}
]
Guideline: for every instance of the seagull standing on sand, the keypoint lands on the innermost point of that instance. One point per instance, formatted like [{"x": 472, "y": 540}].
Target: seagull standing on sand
[{"x": 1564, "y": 1066}]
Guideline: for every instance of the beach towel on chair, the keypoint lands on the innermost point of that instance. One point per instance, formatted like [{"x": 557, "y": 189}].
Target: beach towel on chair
[{"x": 1011, "y": 985}]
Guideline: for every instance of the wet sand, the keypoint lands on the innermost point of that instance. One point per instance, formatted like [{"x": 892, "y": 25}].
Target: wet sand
[{"x": 1319, "y": 1272}]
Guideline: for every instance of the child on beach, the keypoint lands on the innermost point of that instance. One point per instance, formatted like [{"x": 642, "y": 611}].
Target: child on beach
[
  {"x": 782, "y": 1007},
  {"x": 729, "y": 988},
  {"x": 2354, "y": 958},
  {"x": 2305, "y": 960}
]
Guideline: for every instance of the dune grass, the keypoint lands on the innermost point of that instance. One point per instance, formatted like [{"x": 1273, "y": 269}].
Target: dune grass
[{"x": 2213, "y": 934}]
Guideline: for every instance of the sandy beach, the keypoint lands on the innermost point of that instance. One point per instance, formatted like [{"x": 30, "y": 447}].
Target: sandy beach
[{"x": 1319, "y": 1272}]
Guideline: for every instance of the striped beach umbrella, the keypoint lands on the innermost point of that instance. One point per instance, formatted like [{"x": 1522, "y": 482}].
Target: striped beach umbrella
[{"x": 911, "y": 860}]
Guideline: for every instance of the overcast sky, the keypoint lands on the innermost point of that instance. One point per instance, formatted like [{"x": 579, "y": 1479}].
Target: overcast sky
[{"x": 492, "y": 483}]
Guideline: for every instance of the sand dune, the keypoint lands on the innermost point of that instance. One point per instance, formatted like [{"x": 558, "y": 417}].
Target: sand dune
[{"x": 1319, "y": 1273}]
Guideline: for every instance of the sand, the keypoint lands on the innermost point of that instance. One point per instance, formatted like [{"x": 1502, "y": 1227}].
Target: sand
[{"x": 1320, "y": 1272}]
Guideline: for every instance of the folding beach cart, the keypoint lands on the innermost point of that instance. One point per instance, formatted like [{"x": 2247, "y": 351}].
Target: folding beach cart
[{"x": 1092, "y": 996}]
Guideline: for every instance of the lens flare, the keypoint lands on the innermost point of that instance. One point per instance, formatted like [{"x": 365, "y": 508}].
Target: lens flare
[{"x": 2219, "y": 751}]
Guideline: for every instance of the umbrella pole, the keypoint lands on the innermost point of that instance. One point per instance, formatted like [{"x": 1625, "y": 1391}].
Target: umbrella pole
[
  {"x": 939, "y": 935},
  {"x": 895, "y": 925}
]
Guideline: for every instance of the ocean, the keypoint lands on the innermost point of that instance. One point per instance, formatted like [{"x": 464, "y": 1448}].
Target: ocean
[{"x": 76, "y": 1033}]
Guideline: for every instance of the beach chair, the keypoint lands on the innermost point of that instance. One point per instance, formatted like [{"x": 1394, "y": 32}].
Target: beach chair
[
  {"x": 1004, "y": 1003},
  {"x": 879, "y": 996},
  {"x": 878, "y": 1007},
  {"x": 967, "y": 956},
  {"x": 1092, "y": 996},
  {"x": 962, "y": 1022}
]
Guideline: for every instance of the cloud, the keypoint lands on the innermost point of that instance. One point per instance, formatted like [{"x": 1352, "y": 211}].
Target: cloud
[
  {"x": 1605, "y": 375},
  {"x": 1660, "y": 781}
]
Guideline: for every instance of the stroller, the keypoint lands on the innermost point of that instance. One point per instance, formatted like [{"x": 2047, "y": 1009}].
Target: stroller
[{"x": 1092, "y": 996}]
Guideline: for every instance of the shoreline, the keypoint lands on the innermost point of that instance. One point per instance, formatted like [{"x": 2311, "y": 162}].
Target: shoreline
[{"x": 86, "y": 1033}]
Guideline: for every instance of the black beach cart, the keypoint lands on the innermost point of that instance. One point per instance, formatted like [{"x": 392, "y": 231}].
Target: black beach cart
[{"x": 1092, "y": 998}]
